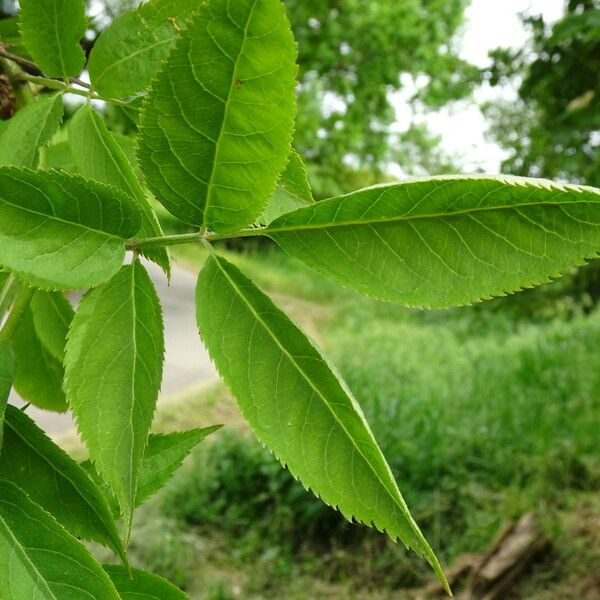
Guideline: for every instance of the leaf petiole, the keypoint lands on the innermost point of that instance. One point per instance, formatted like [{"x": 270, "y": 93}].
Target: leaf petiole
[
  {"x": 7, "y": 293},
  {"x": 16, "y": 314},
  {"x": 188, "y": 238},
  {"x": 55, "y": 84}
]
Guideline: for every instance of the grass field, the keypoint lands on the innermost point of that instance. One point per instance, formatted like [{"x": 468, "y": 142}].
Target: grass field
[{"x": 483, "y": 413}]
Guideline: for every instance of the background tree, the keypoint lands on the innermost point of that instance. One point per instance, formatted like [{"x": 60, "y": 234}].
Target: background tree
[
  {"x": 347, "y": 72},
  {"x": 552, "y": 129}
]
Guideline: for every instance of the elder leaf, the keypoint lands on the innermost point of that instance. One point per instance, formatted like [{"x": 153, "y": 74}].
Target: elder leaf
[
  {"x": 59, "y": 231},
  {"x": 31, "y": 128},
  {"x": 446, "y": 241},
  {"x": 40, "y": 559},
  {"x": 51, "y": 31},
  {"x": 164, "y": 454},
  {"x": 130, "y": 50},
  {"x": 52, "y": 314},
  {"x": 217, "y": 123},
  {"x": 52, "y": 479},
  {"x": 133, "y": 584},
  {"x": 292, "y": 192},
  {"x": 114, "y": 361},
  {"x": 39, "y": 377},
  {"x": 99, "y": 156},
  {"x": 297, "y": 404}
]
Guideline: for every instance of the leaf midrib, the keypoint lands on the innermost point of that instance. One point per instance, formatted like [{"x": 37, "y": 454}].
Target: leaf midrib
[
  {"x": 319, "y": 393},
  {"x": 226, "y": 113},
  {"x": 126, "y": 174},
  {"x": 58, "y": 44},
  {"x": 407, "y": 218},
  {"x": 128, "y": 511},
  {"x": 86, "y": 228}
]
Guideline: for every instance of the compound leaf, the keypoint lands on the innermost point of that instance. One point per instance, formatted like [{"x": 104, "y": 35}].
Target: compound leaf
[
  {"x": 60, "y": 231},
  {"x": 134, "y": 584},
  {"x": 52, "y": 479},
  {"x": 292, "y": 192},
  {"x": 446, "y": 241},
  {"x": 52, "y": 314},
  {"x": 98, "y": 156},
  {"x": 217, "y": 123},
  {"x": 8, "y": 369},
  {"x": 39, "y": 377},
  {"x": 40, "y": 559},
  {"x": 32, "y": 127},
  {"x": 130, "y": 50},
  {"x": 297, "y": 405},
  {"x": 114, "y": 361},
  {"x": 51, "y": 31}
]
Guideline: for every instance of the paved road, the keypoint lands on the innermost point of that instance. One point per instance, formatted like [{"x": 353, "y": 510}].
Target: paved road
[{"x": 186, "y": 360}]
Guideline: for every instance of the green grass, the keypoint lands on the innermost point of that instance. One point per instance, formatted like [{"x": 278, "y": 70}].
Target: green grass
[{"x": 482, "y": 414}]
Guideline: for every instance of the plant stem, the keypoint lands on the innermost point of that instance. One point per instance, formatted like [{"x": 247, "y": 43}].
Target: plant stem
[
  {"x": 16, "y": 315},
  {"x": 188, "y": 238},
  {"x": 165, "y": 240},
  {"x": 242, "y": 233},
  {"x": 32, "y": 68},
  {"x": 6, "y": 294},
  {"x": 55, "y": 84}
]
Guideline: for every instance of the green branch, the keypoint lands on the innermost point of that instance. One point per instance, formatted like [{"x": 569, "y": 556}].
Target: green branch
[{"x": 16, "y": 315}]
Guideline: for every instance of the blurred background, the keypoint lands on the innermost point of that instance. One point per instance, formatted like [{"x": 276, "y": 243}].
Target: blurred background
[{"x": 486, "y": 413}]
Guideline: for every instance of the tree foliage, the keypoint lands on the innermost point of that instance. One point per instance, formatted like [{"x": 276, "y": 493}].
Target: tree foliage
[
  {"x": 552, "y": 130},
  {"x": 351, "y": 56}
]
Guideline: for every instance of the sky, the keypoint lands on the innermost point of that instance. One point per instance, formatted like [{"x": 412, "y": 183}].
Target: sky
[{"x": 490, "y": 24}]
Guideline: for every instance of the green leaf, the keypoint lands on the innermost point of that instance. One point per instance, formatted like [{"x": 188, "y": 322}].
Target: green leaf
[
  {"x": 31, "y": 128},
  {"x": 293, "y": 191},
  {"x": 40, "y": 559},
  {"x": 51, "y": 478},
  {"x": 114, "y": 363},
  {"x": 98, "y": 156},
  {"x": 446, "y": 241},
  {"x": 217, "y": 124},
  {"x": 52, "y": 315},
  {"x": 297, "y": 405},
  {"x": 10, "y": 36},
  {"x": 59, "y": 156},
  {"x": 59, "y": 231},
  {"x": 8, "y": 369},
  {"x": 131, "y": 49},
  {"x": 164, "y": 455},
  {"x": 51, "y": 31},
  {"x": 136, "y": 585},
  {"x": 40, "y": 375}
]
